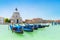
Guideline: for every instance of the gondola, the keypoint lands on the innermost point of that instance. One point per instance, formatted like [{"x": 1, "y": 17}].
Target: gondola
[
  {"x": 16, "y": 28},
  {"x": 28, "y": 28},
  {"x": 45, "y": 25},
  {"x": 35, "y": 26},
  {"x": 40, "y": 26}
]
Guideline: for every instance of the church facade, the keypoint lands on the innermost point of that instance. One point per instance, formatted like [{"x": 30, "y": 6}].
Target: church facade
[{"x": 16, "y": 17}]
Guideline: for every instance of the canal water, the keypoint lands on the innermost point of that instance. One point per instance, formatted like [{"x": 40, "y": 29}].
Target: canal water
[{"x": 47, "y": 33}]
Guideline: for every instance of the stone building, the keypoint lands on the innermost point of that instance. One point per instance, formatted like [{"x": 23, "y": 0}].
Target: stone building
[
  {"x": 34, "y": 20},
  {"x": 37, "y": 20},
  {"x": 28, "y": 21},
  {"x": 1, "y": 20},
  {"x": 16, "y": 17}
]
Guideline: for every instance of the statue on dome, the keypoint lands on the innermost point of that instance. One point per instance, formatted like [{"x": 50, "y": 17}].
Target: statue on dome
[{"x": 16, "y": 9}]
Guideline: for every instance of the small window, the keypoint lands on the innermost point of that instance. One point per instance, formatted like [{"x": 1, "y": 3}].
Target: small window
[{"x": 16, "y": 16}]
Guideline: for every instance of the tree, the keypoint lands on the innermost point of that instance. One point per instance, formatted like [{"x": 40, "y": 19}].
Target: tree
[{"x": 7, "y": 20}]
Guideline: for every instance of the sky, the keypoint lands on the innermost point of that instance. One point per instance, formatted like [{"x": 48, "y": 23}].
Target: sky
[{"x": 28, "y": 9}]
